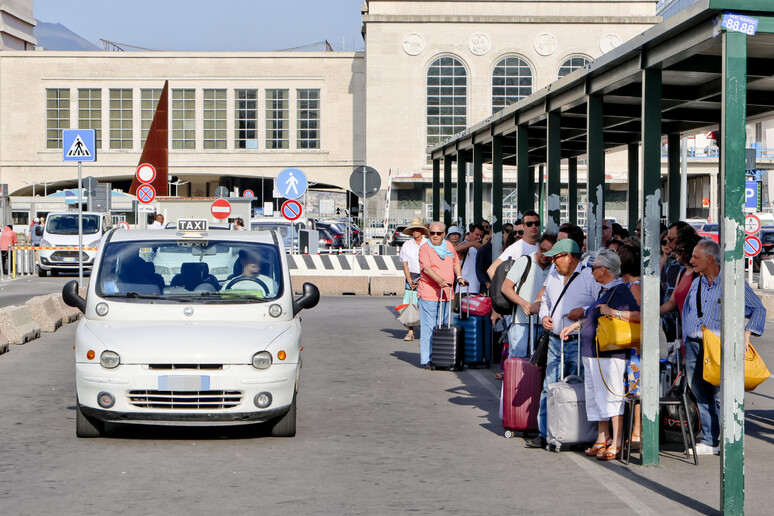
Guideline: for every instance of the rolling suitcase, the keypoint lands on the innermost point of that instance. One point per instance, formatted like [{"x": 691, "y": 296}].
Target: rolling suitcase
[
  {"x": 566, "y": 419},
  {"x": 448, "y": 344},
  {"x": 522, "y": 385},
  {"x": 478, "y": 338}
]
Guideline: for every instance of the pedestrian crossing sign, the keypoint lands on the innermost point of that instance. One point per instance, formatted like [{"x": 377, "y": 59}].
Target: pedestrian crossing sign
[{"x": 79, "y": 145}]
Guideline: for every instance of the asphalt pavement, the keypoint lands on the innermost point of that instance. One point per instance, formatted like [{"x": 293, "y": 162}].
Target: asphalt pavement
[{"x": 376, "y": 435}]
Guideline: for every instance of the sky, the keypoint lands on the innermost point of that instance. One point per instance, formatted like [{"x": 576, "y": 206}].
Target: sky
[{"x": 241, "y": 25}]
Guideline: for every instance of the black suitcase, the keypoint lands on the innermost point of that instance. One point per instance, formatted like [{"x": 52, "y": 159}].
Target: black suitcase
[{"x": 448, "y": 344}]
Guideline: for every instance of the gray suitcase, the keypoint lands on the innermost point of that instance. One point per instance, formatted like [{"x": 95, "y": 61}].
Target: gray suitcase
[{"x": 566, "y": 422}]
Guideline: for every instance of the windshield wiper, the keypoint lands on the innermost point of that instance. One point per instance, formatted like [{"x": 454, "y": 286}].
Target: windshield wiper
[
  {"x": 215, "y": 297},
  {"x": 133, "y": 295}
]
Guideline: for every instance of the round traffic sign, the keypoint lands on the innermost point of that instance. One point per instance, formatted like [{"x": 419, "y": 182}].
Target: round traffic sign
[
  {"x": 146, "y": 194},
  {"x": 248, "y": 193},
  {"x": 220, "y": 209},
  {"x": 752, "y": 246},
  {"x": 123, "y": 224},
  {"x": 146, "y": 173},
  {"x": 752, "y": 224},
  {"x": 291, "y": 183},
  {"x": 291, "y": 209}
]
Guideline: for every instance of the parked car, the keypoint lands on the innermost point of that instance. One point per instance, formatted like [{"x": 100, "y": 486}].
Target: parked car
[
  {"x": 398, "y": 238},
  {"x": 709, "y": 230},
  {"x": 767, "y": 248},
  {"x": 330, "y": 240},
  {"x": 337, "y": 227},
  {"x": 60, "y": 236}
]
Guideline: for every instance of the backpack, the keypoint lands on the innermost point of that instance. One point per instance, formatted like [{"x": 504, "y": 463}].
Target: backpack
[
  {"x": 500, "y": 303},
  {"x": 38, "y": 230}
]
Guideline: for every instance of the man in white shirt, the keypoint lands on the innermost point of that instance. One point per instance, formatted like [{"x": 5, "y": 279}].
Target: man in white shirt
[
  {"x": 409, "y": 256},
  {"x": 158, "y": 222},
  {"x": 555, "y": 312},
  {"x": 527, "y": 245},
  {"x": 523, "y": 294}
]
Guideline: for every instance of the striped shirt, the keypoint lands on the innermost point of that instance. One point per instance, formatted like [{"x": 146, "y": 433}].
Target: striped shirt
[{"x": 710, "y": 307}]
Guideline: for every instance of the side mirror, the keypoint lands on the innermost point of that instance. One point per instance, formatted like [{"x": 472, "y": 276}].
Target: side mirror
[
  {"x": 309, "y": 300},
  {"x": 72, "y": 297}
]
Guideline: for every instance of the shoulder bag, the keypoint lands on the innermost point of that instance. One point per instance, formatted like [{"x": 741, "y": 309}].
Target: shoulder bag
[
  {"x": 617, "y": 335},
  {"x": 540, "y": 355}
]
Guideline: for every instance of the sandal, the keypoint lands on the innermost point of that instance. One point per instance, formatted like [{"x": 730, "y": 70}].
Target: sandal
[
  {"x": 611, "y": 453},
  {"x": 500, "y": 376},
  {"x": 408, "y": 337},
  {"x": 598, "y": 446}
]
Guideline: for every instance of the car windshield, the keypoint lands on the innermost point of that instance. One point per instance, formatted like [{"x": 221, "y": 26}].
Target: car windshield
[
  {"x": 67, "y": 224},
  {"x": 191, "y": 271}
]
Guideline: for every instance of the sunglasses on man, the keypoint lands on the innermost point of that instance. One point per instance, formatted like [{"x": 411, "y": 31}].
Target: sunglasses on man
[{"x": 531, "y": 223}]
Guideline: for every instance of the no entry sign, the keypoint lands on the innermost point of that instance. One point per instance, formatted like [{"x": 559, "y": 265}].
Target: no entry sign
[
  {"x": 146, "y": 194},
  {"x": 221, "y": 209},
  {"x": 291, "y": 210}
]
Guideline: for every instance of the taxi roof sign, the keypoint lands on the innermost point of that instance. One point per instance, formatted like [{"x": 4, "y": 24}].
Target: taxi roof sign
[{"x": 192, "y": 225}]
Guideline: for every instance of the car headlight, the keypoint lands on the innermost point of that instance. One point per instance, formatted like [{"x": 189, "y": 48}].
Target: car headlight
[
  {"x": 93, "y": 244},
  {"x": 275, "y": 310},
  {"x": 109, "y": 359},
  {"x": 45, "y": 243},
  {"x": 262, "y": 360}
]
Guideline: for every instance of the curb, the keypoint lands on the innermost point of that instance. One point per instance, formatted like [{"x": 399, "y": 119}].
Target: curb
[
  {"x": 45, "y": 313},
  {"x": 17, "y": 324}
]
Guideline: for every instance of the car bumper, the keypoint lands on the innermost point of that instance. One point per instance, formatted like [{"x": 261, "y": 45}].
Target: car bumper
[{"x": 188, "y": 397}]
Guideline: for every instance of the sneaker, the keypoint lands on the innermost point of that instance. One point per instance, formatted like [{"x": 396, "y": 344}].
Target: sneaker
[
  {"x": 706, "y": 449},
  {"x": 537, "y": 442}
]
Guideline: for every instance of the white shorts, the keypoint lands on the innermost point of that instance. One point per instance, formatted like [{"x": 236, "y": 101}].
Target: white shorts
[{"x": 601, "y": 404}]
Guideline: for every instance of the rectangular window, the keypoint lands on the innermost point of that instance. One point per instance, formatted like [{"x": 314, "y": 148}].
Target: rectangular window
[
  {"x": 121, "y": 133},
  {"x": 308, "y": 119},
  {"x": 183, "y": 119},
  {"x": 245, "y": 119},
  {"x": 90, "y": 112},
  {"x": 149, "y": 99},
  {"x": 214, "y": 119},
  {"x": 277, "y": 119},
  {"x": 57, "y": 116}
]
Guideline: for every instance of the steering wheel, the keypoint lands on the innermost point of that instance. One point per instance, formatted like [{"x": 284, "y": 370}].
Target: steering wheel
[{"x": 248, "y": 278}]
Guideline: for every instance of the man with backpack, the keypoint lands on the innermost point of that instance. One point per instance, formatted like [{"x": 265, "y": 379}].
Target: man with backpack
[
  {"x": 526, "y": 246},
  {"x": 36, "y": 232},
  {"x": 521, "y": 287}
]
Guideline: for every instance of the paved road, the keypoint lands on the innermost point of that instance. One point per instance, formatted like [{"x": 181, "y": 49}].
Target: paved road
[{"x": 376, "y": 435}]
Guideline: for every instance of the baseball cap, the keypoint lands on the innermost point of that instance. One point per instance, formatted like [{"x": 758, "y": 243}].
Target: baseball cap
[
  {"x": 567, "y": 245},
  {"x": 36, "y": 220}
]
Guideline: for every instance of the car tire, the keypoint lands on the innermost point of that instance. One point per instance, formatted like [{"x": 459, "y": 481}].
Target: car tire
[
  {"x": 54, "y": 272},
  {"x": 86, "y": 426},
  {"x": 42, "y": 273},
  {"x": 285, "y": 426}
]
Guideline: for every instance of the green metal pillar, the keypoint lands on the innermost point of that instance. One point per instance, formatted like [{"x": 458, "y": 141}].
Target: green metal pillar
[
  {"x": 595, "y": 151},
  {"x": 436, "y": 189},
  {"x": 650, "y": 201},
  {"x": 541, "y": 196},
  {"x": 673, "y": 176},
  {"x": 572, "y": 189},
  {"x": 554, "y": 166},
  {"x": 525, "y": 178},
  {"x": 447, "y": 190},
  {"x": 634, "y": 186},
  {"x": 462, "y": 189},
  {"x": 732, "y": 177},
  {"x": 497, "y": 193},
  {"x": 478, "y": 183}
]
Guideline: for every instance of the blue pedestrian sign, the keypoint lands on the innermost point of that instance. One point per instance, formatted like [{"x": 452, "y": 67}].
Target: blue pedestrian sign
[
  {"x": 291, "y": 183},
  {"x": 79, "y": 145}
]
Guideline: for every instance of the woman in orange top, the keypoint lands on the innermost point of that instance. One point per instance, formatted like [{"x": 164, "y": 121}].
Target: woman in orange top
[{"x": 439, "y": 267}]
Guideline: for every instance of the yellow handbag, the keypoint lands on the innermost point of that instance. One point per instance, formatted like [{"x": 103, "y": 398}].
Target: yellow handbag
[
  {"x": 755, "y": 370},
  {"x": 617, "y": 335}
]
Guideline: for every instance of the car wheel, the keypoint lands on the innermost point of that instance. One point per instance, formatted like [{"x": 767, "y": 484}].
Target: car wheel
[
  {"x": 54, "y": 272},
  {"x": 86, "y": 426},
  {"x": 285, "y": 426},
  {"x": 42, "y": 273}
]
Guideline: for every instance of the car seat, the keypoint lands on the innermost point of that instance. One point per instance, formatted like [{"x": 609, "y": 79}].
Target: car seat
[
  {"x": 193, "y": 274},
  {"x": 134, "y": 277}
]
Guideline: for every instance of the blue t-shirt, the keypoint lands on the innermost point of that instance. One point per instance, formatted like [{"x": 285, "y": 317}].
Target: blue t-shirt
[{"x": 618, "y": 297}]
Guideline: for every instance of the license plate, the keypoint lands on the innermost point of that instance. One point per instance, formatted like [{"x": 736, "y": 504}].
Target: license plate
[
  {"x": 184, "y": 383},
  {"x": 69, "y": 260}
]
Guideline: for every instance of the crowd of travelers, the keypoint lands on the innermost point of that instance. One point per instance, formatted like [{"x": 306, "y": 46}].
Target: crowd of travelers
[{"x": 554, "y": 285}]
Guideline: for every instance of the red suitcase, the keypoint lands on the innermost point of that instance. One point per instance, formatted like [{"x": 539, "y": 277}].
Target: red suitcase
[{"x": 522, "y": 385}]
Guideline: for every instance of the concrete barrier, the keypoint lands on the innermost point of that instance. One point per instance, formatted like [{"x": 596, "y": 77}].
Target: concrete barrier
[
  {"x": 69, "y": 314},
  {"x": 381, "y": 285},
  {"x": 45, "y": 313},
  {"x": 334, "y": 285},
  {"x": 17, "y": 324},
  {"x": 4, "y": 344}
]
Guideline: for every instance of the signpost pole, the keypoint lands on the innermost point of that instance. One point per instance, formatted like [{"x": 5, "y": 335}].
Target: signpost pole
[{"x": 80, "y": 227}]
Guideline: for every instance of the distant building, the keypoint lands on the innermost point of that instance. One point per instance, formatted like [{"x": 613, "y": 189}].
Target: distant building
[
  {"x": 668, "y": 8},
  {"x": 17, "y": 25}
]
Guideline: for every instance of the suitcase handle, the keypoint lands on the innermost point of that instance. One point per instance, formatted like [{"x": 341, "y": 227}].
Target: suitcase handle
[
  {"x": 448, "y": 302},
  {"x": 467, "y": 294},
  {"x": 561, "y": 355}
]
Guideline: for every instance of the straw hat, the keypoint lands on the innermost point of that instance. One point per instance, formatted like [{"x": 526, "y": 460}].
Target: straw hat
[{"x": 416, "y": 224}]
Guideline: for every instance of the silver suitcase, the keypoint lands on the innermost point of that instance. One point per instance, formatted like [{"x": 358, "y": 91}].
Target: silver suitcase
[{"x": 566, "y": 421}]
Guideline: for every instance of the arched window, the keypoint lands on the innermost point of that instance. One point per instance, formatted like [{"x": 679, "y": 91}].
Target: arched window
[
  {"x": 447, "y": 99},
  {"x": 511, "y": 81},
  {"x": 572, "y": 64}
]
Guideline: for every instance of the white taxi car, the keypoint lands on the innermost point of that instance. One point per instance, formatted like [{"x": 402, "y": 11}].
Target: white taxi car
[{"x": 205, "y": 346}]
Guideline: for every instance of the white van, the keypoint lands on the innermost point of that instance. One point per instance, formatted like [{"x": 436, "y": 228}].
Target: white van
[
  {"x": 61, "y": 230},
  {"x": 208, "y": 345}
]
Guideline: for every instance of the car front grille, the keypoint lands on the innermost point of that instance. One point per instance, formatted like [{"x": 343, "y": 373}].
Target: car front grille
[
  {"x": 185, "y": 400},
  {"x": 58, "y": 256},
  {"x": 186, "y": 366}
]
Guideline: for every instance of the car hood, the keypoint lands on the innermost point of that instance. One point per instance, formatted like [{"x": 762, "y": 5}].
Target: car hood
[{"x": 195, "y": 342}]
